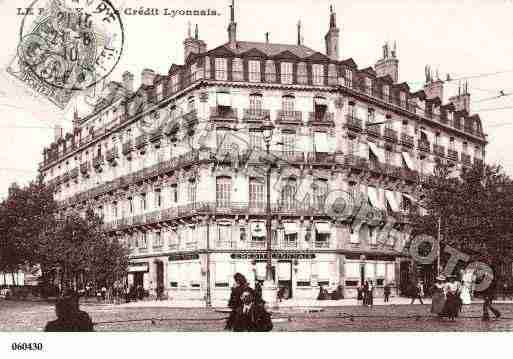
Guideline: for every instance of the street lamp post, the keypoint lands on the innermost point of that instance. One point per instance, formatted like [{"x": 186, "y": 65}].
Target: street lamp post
[{"x": 268, "y": 292}]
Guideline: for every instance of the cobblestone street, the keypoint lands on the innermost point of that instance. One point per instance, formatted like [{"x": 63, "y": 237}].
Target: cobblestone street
[{"x": 32, "y": 316}]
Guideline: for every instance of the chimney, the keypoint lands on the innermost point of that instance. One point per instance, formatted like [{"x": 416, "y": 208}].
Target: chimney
[
  {"x": 76, "y": 121},
  {"x": 462, "y": 100},
  {"x": 299, "y": 40},
  {"x": 332, "y": 37},
  {"x": 58, "y": 132},
  {"x": 389, "y": 64},
  {"x": 434, "y": 87},
  {"x": 232, "y": 28},
  {"x": 267, "y": 37},
  {"x": 128, "y": 81},
  {"x": 193, "y": 45},
  {"x": 147, "y": 77}
]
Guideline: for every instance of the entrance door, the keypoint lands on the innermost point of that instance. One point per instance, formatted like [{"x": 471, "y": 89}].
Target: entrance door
[
  {"x": 404, "y": 277},
  {"x": 362, "y": 274},
  {"x": 285, "y": 279},
  {"x": 138, "y": 279},
  {"x": 160, "y": 278}
]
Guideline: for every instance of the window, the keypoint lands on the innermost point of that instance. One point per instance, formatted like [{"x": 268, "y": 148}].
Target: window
[
  {"x": 405, "y": 204},
  {"x": 115, "y": 210},
  {"x": 223, "y": 140},
  {"x": 286, "y": 73},
  {"x": 352, "y": 110},
  {"x": 256, "y": 140},
  {"x": 368, "y": 86},
  {"x": 175, "y": 83},
  {"x": 402, "y": 97},
  {"x": 237, "y": 70},
  {"x": 388, "y": 156},
  {"x": 289, "y": 142},
  {"x": 349, "y": 78},
  {"x": 255, "y": 102},
  {"x": 191, "y": 191},
  {"x": 287, "y": 103},
  {"x": 224, "y": 232},
  {"x": 437, "y": 138},
  {"x": 465, "y": 147},
  {"x": 318, "y": 74},
  {"x": 130, "y": 205},
  {"x": 191, "y": 104},
  {"x": 158, "y": 94},
  {"x": 144, "y": 240},
  {"x": 320, "y": 191},
  {"x": 157, "y": 240},
  {"x": 386, "y": 93},
  {"x": 223, "y": 191},
  {"x": 221, "y": 69},
  {"x": 371, "y": 114},
  {"x": 352, "y": 146},
  {"x": 254, "y": 71},
  {"x": 174, "y": 192},
  {"x": 332, "y": 74},
  {"x": 256, "y": 193},
  {"x": 270, "y": 71},
  {"x": 158, "y": 198},
  {"x": 288, "y": 193},
  {"x": 302, "y": 74},
  {"x": 143, "y": 202}
]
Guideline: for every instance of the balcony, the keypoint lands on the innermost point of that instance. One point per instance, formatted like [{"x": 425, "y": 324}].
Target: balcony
[
  {"x": 406, "y": 140},
  {"x": 171, "y": 128},
  {"x": 465, "y": 159},
  {"x": 155, "y": 136},
  {"x": 85, "y": 168},
  {"x": 372, "y": 131},
  {"x": 390, "y": 135},
  {"x": 223, "y": 113},
  {"x": 452, "y": 155},
  {"x": 224, "y": 244},
  {"x": 190, "y": 118},
  {"x": 291, "y": 156},
  {"x": 356, "y": 162},
  {"x": 257, "y": 244},
  {"x": 439, "y": 150},
  {"x": 321, "y": 244},
  {"x": 141, "y": 142},
  {"x": 320, "y": 157},
  {"x": 353, "y": 123},
  {"x": 294, "y": 117},
  {"x": 98, "y": 163},
  {"x": 112, "y": 155},
  {"x": 256, "y": 114},
  {"x": 424, "y": 146},
  {"x": 289, "y": 243},
  {"x": 321, "y": 118},
  {"x": 73, "y": 174},
  {"x": 127, "y": 149}
]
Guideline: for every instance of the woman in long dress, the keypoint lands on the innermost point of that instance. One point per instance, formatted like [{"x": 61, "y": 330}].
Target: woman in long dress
[
  {"x": 438, "y": 298},
  {"x": 452, "y": 303},
  {"x": 465, "y": 294}
]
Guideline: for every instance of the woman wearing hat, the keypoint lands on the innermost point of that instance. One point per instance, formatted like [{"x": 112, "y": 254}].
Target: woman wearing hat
[
  {"x": 452, "y": 303},
  {"x": 438, "y": 299}
]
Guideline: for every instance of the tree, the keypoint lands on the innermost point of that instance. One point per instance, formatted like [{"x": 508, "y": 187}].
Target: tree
[{"x": 474, "y": 211}]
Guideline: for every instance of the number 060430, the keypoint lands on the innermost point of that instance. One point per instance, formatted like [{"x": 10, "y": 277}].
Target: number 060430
[{"x": 27, "y": 346}]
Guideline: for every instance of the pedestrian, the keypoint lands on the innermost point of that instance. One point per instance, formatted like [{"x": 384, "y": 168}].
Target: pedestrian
[
  {"x": 504, "y": 290},
  {"x": 103, "y": 291},
  {"x": 452, "y": 303},
  {"x": 370, "y": 294},
  {"x": 417, "y": 292},
  {"x": 240, "y": 286},
  {"x": 258, "y": 293},
  {"x": 323, "y": 293},
  {"x": 359, "y": 291},
  {"x": 250, "y": 316},
  {"x": 489, "y": 294},
  {"x": 338, "y": 293},
  {"x": 438, "y": 298},
  {"x": 386, "y": 292},
  {"x": 69, "y": 317}
]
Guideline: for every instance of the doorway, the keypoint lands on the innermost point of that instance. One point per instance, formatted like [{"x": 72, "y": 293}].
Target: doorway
[
  {"x": 138, "y": 279},
  {"x": 159, "y": 266},
  {"x": 285, "y": 279}
]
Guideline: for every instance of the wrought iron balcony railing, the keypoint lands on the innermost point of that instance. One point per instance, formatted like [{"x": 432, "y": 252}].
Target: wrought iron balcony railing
[
  {"x": 452, "y": 155},
  {"x": 289, "y": 116},
  {"x": 255, "y": 114},
  {"x": 439, "y": 150},
  {"x": 407, "y": 140},
  {"x": 353, "y": 123},
  {"x": 390, "y": 135},
  {"x": 322, "y": 117},
  {"x": 424, "y": 146}
]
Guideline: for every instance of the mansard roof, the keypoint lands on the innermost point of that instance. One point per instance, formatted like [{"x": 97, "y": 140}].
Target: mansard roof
[
  {"x": 420, "y": 94},
  {"x": 270, "y": 49},
  {"x": 369, "y": 71},
  {"x": 402, "y": 86},
  {"x": 349, "y": 62}
]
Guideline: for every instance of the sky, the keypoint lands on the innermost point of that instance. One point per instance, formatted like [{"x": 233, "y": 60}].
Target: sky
[{"x": 460, "y": 38}]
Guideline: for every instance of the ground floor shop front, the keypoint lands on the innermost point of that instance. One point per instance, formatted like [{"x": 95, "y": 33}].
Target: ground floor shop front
[{"x": 200, "y": 276}]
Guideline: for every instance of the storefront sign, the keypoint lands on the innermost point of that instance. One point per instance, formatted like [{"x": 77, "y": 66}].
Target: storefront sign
[
  {"x": 275, "y": 255},
  {"x": 183, "y": 257},
  {"x": 138, "y": 267}
]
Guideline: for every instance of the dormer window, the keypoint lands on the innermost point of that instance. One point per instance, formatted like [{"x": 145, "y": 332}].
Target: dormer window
[
  {"x": 237, "y": 70},
  {"x": 286, "y": 72},
  {"x": 302, "y": 74},
  {"x": 270, "y": 71},
  {"x": 318, "y": 74},
  {"x": 386, "y": 93},
  {"x": 402, "y": 97},
  {"x": 221, "y": 68},
  {"x": 349, "y": 78},
  {"x": 368, "y": 86},
  {"x": 254, "y": 71}
]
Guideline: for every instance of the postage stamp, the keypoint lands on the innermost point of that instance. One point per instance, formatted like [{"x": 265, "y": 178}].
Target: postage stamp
[{"x": 69, "y": 46}]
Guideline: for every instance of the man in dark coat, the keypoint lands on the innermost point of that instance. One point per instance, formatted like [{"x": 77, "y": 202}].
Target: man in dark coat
[
  {"x": 69, "y": 317},
  {"x": 251, "y": 316},
  {"x": 489, "y": 294}
]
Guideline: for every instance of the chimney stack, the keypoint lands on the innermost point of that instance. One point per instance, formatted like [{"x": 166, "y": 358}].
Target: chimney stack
[
  {"x": 58, "y": 132},
  {"x": 389, "y": 64},
  {"x": 193, "y": 45},
  {"x": 232, "y": 28},
  {"x": 267, "y": 37},
  {"x": 128, "y": 81},
  {"x": 434, "y": 87},
  {"x": 147, "y": 77},
  {"x": 299, "y": 40},
  {"x": 462, "y": 100}
]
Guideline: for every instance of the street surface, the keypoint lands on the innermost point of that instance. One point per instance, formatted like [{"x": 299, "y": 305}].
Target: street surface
[{"x": 32, "y": 316}]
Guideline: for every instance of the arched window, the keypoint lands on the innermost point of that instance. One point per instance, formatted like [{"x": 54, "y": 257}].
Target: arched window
[{"x": 223, "y": 191}]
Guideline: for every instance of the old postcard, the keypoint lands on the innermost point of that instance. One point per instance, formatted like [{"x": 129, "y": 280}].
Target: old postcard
[{"x": 243, "y": 166}]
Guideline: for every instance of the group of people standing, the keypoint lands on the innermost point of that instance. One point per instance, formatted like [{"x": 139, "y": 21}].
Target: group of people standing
[
  {"x": 365, "y": 293},
  {"x": 449, "y": 295},
  {"x": 248, "y": 313}
]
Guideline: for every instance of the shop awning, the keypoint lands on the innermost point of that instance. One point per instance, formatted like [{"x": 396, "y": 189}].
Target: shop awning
[
  {"x": 408, "y": 160},
  {"x": 321, "y": 142},
  {"x": 373, "y": 197},
  {"x": 322, "y": 227},
  {"x": 320, "y": 101},
  {"x": 258, "y": 229},
  {"x": 389, "y": 195},
  {"x": 224, "y": 99},
  {"x": 376, "y": 151},
  {"x": 290, "y": 227}
]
